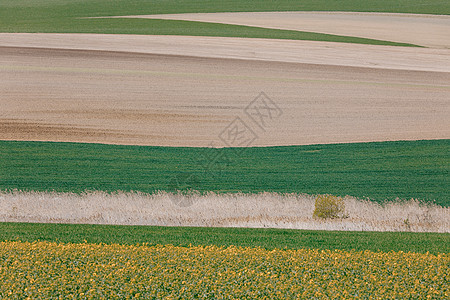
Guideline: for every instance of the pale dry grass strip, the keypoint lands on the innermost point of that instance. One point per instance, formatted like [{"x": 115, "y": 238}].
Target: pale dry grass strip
[{"x": 261, "y": 210}]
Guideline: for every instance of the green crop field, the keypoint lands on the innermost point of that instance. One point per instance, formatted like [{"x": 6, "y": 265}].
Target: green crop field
[
  {"x": 64, "y": 16},
  {"x": 244, "y": 237},
  {"x": 379, "y": 171}
]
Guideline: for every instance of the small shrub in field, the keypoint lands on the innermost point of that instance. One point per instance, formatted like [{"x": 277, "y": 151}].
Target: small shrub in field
[{"x": 329, "y": 207}]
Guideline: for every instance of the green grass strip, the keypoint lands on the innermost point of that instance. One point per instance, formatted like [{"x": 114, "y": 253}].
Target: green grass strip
[
  {"x": 246, "y": 237},
  {"x": 190, "y": 28},
  {"x": 64, "y": 16},
  {"x": 80, "y": 8},
  {"x": 379, "y": 171}
]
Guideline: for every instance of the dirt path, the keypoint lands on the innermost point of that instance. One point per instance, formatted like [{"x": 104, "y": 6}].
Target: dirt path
[
  {"x": 175, "y": 100},
  {"x": 425, "y": 30}
]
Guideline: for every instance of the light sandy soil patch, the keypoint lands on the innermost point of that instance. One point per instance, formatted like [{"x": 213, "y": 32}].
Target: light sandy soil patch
[
  {"x": 310, "y": 52},
  {"x": 176, "y": 100},
  {"x": 424, "y": 30},
  {"x": 226, "y": 210}
]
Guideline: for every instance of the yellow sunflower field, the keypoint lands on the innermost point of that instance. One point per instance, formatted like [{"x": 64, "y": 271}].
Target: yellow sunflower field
[{"x": 48, "y": 270}]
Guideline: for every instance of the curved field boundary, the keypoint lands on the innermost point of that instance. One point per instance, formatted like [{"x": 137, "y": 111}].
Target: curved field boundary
[
  {"x": 425, "y": 30},
  {"x": 64, "y": 16}
]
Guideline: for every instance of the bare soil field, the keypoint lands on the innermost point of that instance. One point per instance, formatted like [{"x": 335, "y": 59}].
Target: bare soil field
[
  {"x": 292, "y": 51},
  {"x": 423, "y": 30},
  {"x": 184, "y": 91}
]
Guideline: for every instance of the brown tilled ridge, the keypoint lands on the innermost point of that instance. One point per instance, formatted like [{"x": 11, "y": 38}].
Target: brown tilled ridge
[{"x": 181, "y": 99}]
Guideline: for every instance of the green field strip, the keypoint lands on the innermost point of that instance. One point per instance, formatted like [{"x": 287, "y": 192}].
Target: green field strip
[
  {"x": 191, "y": 28},
  {"x": 50, "y": 16},
  {"x": 379, "y": 171},
  {"x": 245, "y": 237},
  {"x": 95, "y": 8}
]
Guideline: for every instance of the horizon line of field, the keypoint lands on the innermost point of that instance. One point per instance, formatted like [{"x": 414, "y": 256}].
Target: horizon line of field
[{"x": 227, "y": 147}]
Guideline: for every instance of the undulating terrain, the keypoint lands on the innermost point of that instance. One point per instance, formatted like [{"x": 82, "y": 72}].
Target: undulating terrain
[{"x": 186, "y": 117}]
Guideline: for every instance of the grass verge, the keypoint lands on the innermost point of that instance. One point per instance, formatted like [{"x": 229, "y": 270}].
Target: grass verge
[
  {"x": 262, "y": 210},
  {"x": 433, "y": 243}
]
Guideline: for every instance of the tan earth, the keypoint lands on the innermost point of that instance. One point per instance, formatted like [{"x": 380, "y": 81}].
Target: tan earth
[
  {"x": 186, "y": 91},
  {"x": 424, "y": 30}
]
